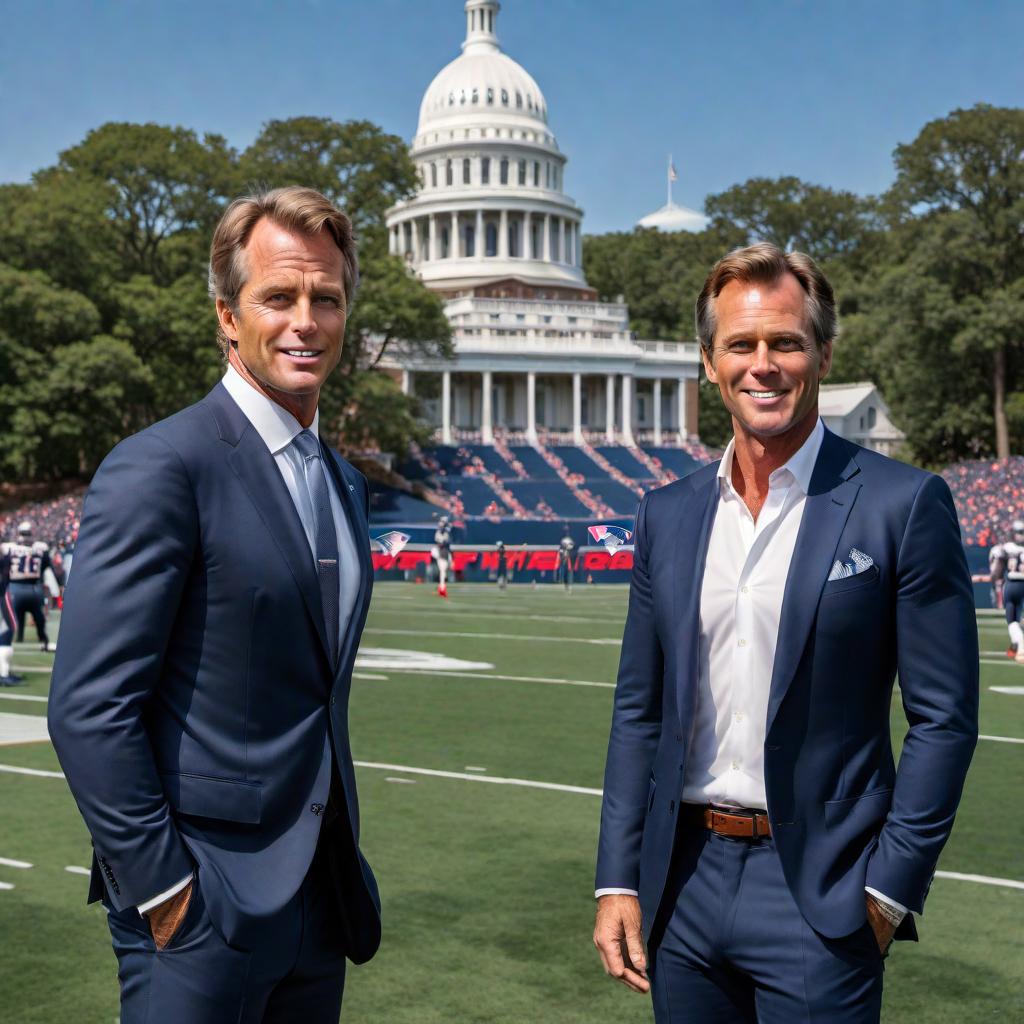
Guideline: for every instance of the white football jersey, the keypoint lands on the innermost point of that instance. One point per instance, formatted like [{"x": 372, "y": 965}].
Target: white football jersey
[{"x": 1009, "y": 557}]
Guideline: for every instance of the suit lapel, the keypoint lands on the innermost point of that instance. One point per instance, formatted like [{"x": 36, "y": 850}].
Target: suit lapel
[
  {"x": 257, "y": 471},
  {"x": 691, "y": 552},
  {"x": 826, "y": 510},
  {"x": 361, "y": 539}
]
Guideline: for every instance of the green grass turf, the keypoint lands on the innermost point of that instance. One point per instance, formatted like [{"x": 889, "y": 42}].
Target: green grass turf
[{"x": 487, "y": 888}]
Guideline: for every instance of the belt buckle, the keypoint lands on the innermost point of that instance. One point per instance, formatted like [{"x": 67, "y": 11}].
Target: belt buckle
[{"x": 749, "y": 812}]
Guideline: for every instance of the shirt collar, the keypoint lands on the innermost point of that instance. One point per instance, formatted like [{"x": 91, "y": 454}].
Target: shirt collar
[
  {"x": 800, "y": 464},
  {"x": 275, "y": 424}
]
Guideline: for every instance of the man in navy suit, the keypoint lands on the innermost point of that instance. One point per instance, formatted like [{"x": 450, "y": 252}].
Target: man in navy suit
[
  {"x": 199, "y": 696},
  {"x": 755, "y": 832}
]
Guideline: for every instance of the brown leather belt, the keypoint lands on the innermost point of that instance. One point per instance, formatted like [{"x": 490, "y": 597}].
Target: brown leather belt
[{"x": 739, "y": 824}]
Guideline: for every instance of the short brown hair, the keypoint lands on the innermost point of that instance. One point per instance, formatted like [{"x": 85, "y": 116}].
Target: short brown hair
[
  {"x": 294, "y": 207},
  {"x": 764, "y": 263}
]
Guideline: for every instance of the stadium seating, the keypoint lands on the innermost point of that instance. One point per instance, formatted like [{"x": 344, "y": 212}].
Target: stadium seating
[
  {"x": 623, "y": 461},
  {"x": 577, "y": 461},
  {"x": 674, "y": 459},
  {"x": 554, "y": 493}
]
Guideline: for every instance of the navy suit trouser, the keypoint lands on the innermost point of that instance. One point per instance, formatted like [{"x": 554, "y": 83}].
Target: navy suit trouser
[
  {"x": 296, "y": 972},
  {"x": 734, "y": 947}
]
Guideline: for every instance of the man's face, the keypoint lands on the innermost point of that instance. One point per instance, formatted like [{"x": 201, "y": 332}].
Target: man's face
[
  {"x": 764, "y": 358},
  {"x": 291, "y": 310}
]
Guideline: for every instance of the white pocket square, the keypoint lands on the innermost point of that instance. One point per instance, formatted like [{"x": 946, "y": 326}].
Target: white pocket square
[{"x": 856, "y": 563}]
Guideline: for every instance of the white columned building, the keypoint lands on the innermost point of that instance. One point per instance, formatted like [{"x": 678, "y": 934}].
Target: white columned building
[{"x": 492, "y": 230}]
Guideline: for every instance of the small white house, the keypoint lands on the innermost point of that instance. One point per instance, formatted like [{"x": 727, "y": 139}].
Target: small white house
[{"x": 859, "y": 413}]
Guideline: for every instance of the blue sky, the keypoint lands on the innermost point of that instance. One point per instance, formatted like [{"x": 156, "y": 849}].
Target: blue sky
[{"x": 824, "y": 90}]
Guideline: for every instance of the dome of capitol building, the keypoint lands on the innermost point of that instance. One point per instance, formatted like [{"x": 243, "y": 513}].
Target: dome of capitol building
[{"x": 493, "y": 231}]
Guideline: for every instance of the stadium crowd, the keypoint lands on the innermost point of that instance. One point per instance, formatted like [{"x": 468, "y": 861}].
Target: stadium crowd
[
  {"x": 989, "y": 496},
  {"x": 54, "y": 521}
]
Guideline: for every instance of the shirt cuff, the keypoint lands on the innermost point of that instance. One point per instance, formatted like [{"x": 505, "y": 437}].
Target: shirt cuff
[
  {"x": 892, "y": 904},
  {"x": 615, "y": 892},
  {"x": 145, "y": 908}
]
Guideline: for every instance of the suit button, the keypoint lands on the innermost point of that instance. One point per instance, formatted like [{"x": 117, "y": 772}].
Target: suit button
[{"x": 317, "y": 809}]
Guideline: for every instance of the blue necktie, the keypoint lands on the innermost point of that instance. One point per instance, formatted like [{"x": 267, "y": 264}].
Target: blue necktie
[{"x": 325, "y": 533}]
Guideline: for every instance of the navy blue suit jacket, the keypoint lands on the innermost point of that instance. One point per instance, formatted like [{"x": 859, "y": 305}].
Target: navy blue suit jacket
[
  {"x": 842, "y": 815},
  {"x": 193, "y": 705}
]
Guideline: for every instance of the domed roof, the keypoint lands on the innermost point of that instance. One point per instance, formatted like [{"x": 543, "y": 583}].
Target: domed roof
[
  {"x": 482, "y": 80},
  {"x": 673, "y": 217}
]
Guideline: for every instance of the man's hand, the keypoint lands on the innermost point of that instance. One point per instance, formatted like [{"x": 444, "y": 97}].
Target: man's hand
[
  {"x": 883, "y": 928},
  {"x": 165, "y": 918},
  {"x": 618, "y": 937}
]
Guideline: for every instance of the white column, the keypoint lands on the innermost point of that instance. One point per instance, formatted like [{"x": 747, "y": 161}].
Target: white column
[
  {"x": 561, "y": 241},
  {"x": 577, "y": 408},
  {"x": 393, "y": 240},
  {"x": 479, "y": 248},
  {"x": 657, "y": 411},
  {"x": 579, "y": 246},
  {"x": 681, "y": 407},
  {"x": 531, "y": 406},
  {"x": 547, "y": 237},
  {"x": 627, "y": 408},
  {"x": 406, "y": 382},
  {"x": 527, "y": 241},
  {"x": 570, "y": 243},
  {"x": 609, "y": 409},
  {"x": 503, "y": 235},
  {"x": 486, "y": 419},
  {"x": 446, "y": 407},
  {"x": 435, "y": 248},
  {"x": 414, "y": 240},
  {"x": 453, "y": 244}
]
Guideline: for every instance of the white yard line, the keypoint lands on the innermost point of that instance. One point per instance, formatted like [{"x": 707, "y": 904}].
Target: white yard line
[
  {"x": 32, "y": 668},
  {"x": 8, "y": 863},
  {"x": 473, "y": 613},
  {"x": 74, "y": 869},
  {"x": 511, "y": 679},
  {"x": 23, "y": 696},
  {"x": 1001, "y": 739},
  {"x": 528, "y": 783},
  {"x": 18, "y": 770},
  {"x": 983, "y": 879},
  {"x": 500, "y": 781},
  {"x": 603, "y": 641}
]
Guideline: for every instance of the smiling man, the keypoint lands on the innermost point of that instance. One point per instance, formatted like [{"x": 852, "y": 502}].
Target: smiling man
[
  {"x": 759, "y": 850},
  {"x": 199, "y": 696}
]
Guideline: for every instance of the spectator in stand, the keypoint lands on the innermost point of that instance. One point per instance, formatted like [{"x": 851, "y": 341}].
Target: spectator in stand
[{"x": 989, "y": 496}]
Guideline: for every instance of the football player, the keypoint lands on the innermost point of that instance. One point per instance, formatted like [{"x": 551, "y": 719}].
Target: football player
[
  {"x": 1006, "y": 564},
  {"x": 502, "y": 565},
  {"x": 566, "y": 548},
  {"x": 7, "y": 677},
  {"x": 442, "y": 552},
  {"x": 30, "y": 568}
]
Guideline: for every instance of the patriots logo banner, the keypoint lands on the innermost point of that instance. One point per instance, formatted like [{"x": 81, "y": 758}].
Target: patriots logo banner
[
  {"x": 612, "y": 537},
  {"x": 392, "y": 542}
]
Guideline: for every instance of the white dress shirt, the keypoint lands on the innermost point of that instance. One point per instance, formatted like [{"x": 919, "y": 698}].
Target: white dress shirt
[
  {"x": 745, "y": 576},
  {"x": 278, "y": 428}
]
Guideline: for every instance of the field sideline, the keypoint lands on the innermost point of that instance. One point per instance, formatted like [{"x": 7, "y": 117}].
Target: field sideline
[{"x": 479, "y": 725}]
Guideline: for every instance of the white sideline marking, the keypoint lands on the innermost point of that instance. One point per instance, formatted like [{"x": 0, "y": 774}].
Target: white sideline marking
[
  {"x": 527, "y": 783},
  {"x": 511, "y": 679},
  {"x": 74, "y": 869},
  {"x": 1001, "y": 739},
  {"x": 18, "y": 770},
  {"x": 494, "y": 636},
  {"x": 558, "y": 787},
  {"x": 8, "y": 863},
  {"x": 983, "y": 879},
  {"x": 22, "y": 696}
]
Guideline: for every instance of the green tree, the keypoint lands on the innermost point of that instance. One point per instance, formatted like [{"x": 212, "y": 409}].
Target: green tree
[{"x": 968, "y": 170}]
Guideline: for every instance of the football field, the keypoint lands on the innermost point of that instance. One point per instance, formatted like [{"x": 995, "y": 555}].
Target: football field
[{"x": 479, "y": 727}]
